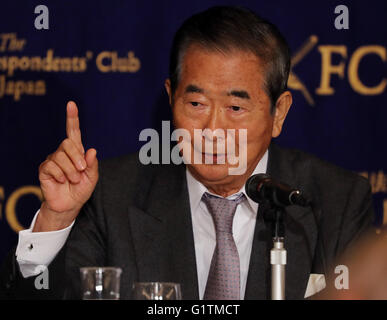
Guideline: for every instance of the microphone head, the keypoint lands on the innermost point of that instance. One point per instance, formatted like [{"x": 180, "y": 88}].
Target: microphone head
[
  {"x": 253, "y": 185},
  {"x": 261, "y": 188}
]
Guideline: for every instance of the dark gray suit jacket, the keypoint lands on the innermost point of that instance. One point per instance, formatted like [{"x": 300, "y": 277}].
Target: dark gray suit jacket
[{"x": 138, "y": 218}]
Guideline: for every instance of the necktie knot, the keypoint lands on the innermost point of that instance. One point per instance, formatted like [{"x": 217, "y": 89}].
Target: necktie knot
[{"x": 222, "y": 211}]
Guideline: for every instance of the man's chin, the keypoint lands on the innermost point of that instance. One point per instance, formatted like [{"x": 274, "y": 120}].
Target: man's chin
[{"x": 209, "y": 172}]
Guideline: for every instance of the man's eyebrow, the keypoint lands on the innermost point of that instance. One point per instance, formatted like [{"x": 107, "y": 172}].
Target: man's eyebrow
[
  {"x": 193, "y": 89},
  {"x": 239, "y": 93}
]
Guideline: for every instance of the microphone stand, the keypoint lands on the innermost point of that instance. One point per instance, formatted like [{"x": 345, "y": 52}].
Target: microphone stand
[
  {"x": 278, "y": 254},
  {"x": 275, "y": 197}
]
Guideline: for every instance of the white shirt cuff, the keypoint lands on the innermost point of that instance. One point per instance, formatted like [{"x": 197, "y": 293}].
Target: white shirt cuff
[{"x": 36, "y": 250}]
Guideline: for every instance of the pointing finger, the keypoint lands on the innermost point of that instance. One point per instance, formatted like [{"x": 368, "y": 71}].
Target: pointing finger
[{"x": 72, "y": 125}]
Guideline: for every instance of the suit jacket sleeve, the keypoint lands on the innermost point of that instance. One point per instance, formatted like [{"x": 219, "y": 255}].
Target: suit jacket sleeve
[
  {"x": 84, "y": 247},
  {"x": 358, "y": 217}
]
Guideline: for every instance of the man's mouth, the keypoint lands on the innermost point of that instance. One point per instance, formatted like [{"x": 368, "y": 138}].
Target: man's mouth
[{"x": 216, "y": 158}]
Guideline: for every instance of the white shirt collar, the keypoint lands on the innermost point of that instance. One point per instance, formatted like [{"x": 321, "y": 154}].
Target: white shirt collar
[{"x": 196, "y": 189}]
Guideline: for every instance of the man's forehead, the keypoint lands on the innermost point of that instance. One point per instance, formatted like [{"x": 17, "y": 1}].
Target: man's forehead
[
  {"x": 235, "y": 73},
  {"x": 196, "y": 61},
  {"x": 237, "y": 92}
]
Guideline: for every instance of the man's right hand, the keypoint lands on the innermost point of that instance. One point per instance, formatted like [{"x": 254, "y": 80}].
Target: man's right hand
[{"x": 67, "y": 178}]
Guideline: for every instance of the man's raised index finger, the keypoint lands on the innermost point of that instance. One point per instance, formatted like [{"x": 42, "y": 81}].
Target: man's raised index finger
[{"x": 72, "y": 125}]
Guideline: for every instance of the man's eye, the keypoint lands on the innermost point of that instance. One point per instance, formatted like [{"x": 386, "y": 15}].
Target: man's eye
[
  {"x": 194, "y": 103},
  {"x": 236, "y": 108}
]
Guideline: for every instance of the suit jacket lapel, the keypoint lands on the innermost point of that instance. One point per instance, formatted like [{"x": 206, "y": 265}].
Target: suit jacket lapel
[
  {"x": 162, "y": 232},
  {"x": 258, "y": 279},
  {"x": 300, "y": 238}
]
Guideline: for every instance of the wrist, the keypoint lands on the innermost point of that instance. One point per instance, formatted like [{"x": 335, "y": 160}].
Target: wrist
[{"x": 48, "y": 220}]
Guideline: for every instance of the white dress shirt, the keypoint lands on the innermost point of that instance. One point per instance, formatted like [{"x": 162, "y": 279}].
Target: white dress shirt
[
  {"x": 37, "y": 249},
  {"x": 204, "y": 229}
]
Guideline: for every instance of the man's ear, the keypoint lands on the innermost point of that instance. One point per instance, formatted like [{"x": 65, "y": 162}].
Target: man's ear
[
  {"x": 282, "y": 107},
  {"x": 167, "y": 85}
]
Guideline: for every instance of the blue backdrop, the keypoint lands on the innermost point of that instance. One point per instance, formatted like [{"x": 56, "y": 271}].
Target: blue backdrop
[{"x": 111, "y": 57}]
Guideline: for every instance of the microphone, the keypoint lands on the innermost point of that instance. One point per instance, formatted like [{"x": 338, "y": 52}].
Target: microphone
[{"x": 261, "y": 187}]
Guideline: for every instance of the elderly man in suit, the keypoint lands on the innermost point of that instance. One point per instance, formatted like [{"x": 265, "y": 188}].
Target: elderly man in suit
[{"x": 182, "y": 223}]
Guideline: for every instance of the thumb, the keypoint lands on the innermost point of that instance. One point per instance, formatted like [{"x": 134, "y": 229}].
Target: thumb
[{"x": 92, "y": 164}]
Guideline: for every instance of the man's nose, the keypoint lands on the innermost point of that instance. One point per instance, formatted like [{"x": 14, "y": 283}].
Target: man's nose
[
  {"x": 214, "y": 129},
  {"x": 215, "y": 119}
]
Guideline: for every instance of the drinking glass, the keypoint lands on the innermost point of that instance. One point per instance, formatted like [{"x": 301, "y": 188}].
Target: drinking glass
[
  {"x": 100, "y": 283},
  {"x": 156, "y": 291}
]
